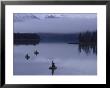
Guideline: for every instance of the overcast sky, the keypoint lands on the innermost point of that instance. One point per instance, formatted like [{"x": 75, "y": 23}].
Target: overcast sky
[{"x": 60, "y": 23}]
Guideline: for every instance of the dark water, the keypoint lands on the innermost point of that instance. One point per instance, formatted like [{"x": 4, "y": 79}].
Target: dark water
[{"x": 67, "y": 58}]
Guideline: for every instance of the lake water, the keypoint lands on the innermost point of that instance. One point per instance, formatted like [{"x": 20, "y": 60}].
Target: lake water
[{"x": 67, "y": 58}]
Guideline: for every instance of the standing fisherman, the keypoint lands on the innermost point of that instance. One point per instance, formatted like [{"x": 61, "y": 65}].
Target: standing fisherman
[{"x": 53, "y": 67}]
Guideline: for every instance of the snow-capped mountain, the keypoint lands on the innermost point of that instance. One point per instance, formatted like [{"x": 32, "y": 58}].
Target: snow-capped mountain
[
  {"x": 19, "y": 17},
  {"x": 56, "y": 23},
  {"x": 22, "y": 17},
  {"x": 53, "y": 16}
]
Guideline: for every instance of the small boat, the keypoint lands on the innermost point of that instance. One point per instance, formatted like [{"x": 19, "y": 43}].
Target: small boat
[
  {"x": 27, "y": 56},
  {"x": 36, "y": 52},
  {"x": 53, "y": 67}
]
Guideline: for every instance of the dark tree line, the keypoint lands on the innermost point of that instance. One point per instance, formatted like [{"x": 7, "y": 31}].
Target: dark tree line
[
  {"x": 88, "y": 42},
  {"x": 88, "y": 37},
  {"x": 26, "y": 38}
]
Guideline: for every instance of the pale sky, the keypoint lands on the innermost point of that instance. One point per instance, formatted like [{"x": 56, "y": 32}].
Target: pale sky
[{"x": 61, "y": 23}]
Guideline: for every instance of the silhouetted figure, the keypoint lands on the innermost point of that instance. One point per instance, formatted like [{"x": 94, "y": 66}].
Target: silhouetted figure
[
  {"x": 36, "y": 52},
  {"x": 53, "y": 67},
  {"x": 27, "y": 56}
]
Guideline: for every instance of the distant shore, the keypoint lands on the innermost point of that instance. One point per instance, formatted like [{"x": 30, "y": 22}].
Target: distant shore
[{"x": 26, "y": 38}]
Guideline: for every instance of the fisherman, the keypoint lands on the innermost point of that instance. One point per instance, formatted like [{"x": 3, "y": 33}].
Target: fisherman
[
  {"x": 53, "y": 67},
  {"x": 27, "y": 56},
  {"x": 36, "y": 52},
  {"x": 53, "y": 64}
]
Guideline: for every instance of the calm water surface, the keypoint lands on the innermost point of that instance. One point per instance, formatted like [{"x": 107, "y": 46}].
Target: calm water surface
[{"x": 68, "y": 59}]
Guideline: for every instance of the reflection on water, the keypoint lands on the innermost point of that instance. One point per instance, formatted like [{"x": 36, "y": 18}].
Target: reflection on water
[
  {"x": 66, "y": 58},
  {"x": 88, "y": 42},
  {"x": 92, "y": 48}
]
